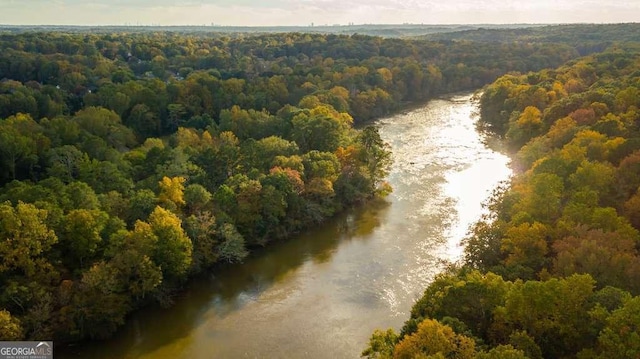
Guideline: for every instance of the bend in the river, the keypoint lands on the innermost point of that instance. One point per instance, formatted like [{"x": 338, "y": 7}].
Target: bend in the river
[{"x": 321, "y": 294}]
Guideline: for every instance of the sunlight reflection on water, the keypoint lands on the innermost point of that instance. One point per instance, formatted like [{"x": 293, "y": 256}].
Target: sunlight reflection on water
[
  {"x": 442, "y": 174},
  {"x": 321, "y": 294}
]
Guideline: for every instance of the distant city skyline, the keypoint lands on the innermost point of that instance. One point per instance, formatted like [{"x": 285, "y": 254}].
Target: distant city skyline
[{"x": 307, "y": 12}]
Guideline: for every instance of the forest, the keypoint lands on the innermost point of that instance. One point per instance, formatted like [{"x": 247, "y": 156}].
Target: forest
[
  {"x": 554, "y": 270},
  {"x": 130, "y": 162}
]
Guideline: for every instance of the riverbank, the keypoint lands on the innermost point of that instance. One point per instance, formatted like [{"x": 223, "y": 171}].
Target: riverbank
[
  {"x": 323, "y": 292},
  {"x": 552, "y": 271}
]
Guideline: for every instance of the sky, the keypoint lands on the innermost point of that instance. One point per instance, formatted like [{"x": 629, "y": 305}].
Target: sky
[{"x": 318, "y": 12}]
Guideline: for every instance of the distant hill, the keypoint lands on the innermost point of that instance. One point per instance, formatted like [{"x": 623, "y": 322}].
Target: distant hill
[
  {"x": 548, "y": 33},
  {"x": 390, "y": 30}
]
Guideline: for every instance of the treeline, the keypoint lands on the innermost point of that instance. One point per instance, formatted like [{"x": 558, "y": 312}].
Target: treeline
[
  {"x": 129, "y": 162},
  {"x": 139, "y": 75},
  {"x": 554, "y": 270},
  {"x": 382, "y": 30},
  {"x": 588, "y": 38}
]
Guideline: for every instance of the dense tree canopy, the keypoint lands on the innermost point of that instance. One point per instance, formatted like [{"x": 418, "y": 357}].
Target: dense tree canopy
[
  {"x": 553, "y": 271},
  {"x": 130, "y": 161}
]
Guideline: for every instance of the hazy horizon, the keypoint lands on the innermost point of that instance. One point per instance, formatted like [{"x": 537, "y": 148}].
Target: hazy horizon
[{"x": 308, "y": 12}]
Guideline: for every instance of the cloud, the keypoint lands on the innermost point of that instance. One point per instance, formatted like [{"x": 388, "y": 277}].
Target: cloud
[{"x": 303, "y": 12}]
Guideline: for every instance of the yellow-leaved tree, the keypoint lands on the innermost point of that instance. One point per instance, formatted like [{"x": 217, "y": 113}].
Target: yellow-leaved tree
[{"x": 172, "y": 192}]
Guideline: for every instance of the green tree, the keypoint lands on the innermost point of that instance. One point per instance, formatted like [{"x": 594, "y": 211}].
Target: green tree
[
  {"x": 620, "y": 338},
  {"x": 135, "y": 273},
  {"x": 65, "y": 162},
  {"x": 375, "y": 154},
  {"x": 381, "y": 345},
  {"x": 542, "y": 198},
  {"x": 502, "y": 352},
  {"x": 97, "y": 307},
  {"x": 471, "y": 298},
  {"x": 196, "y": 197},
  {"x": 142, "y": 203},
  {"x": 18, "y": 151},
  {"x": 202, "y": 229},
  {"x": 106, "y": 125},
  {"x": 526, "y": 246},
  {"x": 247, "y": 213},
  {"x": 232, "y": 248},
  {"x": 551, "y": 312},
  {"x": 82, "y": 234},
  {"x": 79, "y": 195},
  {"x": 322, "y": 129}
]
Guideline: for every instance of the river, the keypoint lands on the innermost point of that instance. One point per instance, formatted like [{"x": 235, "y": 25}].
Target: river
[{"x": 322, "y": 293}]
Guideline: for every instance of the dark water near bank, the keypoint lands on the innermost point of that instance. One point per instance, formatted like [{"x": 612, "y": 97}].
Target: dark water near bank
[{"x": 321, "y": 294}]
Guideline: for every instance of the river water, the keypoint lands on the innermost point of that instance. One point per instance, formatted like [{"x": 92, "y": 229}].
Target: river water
[{"x": 322, "y": 294}]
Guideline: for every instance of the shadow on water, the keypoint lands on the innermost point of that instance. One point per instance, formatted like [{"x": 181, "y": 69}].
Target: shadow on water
[
  {"x": 321, "y": 294},
  {"x": 230, "y": 288}
]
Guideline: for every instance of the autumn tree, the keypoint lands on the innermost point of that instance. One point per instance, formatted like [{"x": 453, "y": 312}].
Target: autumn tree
[
  {"x": 172, "y": 192},
  {"x": 173, "y": 250},
  {"x": 433, "y": 338}
]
